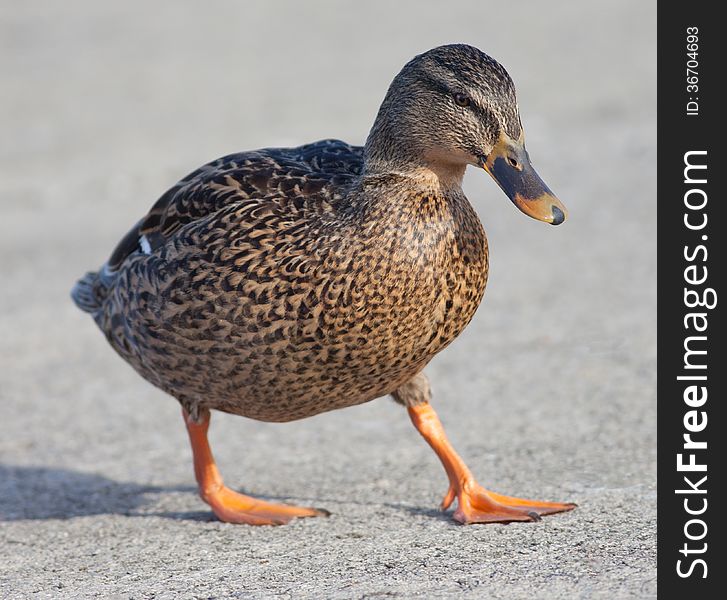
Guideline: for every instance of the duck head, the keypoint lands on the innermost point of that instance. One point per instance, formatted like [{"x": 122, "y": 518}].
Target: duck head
[{"x": 455, "y": 106}]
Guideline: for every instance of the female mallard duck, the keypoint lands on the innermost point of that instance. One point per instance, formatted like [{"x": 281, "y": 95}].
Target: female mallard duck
[{"x": 282, "y": 283}]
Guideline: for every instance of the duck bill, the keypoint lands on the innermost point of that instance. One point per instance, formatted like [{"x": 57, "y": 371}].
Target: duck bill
[{"x": 509, "y": 165}]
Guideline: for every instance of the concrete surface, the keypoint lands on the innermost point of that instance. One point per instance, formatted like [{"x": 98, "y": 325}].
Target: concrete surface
[{"x": 550, "y": 392}]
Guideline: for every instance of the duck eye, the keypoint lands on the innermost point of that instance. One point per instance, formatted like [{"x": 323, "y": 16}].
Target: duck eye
[{"x": 462, "y": 99}]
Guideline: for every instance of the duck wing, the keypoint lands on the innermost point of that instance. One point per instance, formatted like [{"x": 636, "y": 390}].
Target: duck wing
[
  {"x": 295, "y": 176},
  {"x": 294, "y": 173}
]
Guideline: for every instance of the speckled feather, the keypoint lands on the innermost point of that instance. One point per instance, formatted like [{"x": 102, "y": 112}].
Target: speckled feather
[{"x": 282, "y": 284}]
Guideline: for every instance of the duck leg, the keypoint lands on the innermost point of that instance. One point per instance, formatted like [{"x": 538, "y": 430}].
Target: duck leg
[
  {"x": 230, "y": 506},
  {"x": 475, "y": 503}
]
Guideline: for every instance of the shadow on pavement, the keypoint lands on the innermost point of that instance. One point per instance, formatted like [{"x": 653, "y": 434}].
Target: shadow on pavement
[
  {"x": 39, "y": 493},
  {"x": 49, "y": 493}
]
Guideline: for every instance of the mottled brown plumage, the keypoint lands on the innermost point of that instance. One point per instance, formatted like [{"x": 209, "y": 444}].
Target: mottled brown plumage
[{"x": 282, "y": 283}]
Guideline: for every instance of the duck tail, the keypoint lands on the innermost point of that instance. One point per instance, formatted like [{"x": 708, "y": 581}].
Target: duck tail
[{"x": 89, "y": 292}]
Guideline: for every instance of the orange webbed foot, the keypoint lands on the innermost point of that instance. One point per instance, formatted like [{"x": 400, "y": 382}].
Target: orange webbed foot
[
  {"x": 230, "y": 506},
  {"x": 478, "y": 505},
  {"x": 475, "y": 504}
]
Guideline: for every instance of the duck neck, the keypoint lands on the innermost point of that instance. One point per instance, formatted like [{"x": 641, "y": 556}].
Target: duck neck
[{"x": 390, "y": 151}]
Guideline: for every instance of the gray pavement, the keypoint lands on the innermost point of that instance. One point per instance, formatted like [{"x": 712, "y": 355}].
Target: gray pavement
[{"x": 549, "y": 393}]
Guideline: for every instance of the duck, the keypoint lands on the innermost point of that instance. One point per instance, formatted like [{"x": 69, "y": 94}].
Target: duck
[{"x": 281, "y": 283}]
